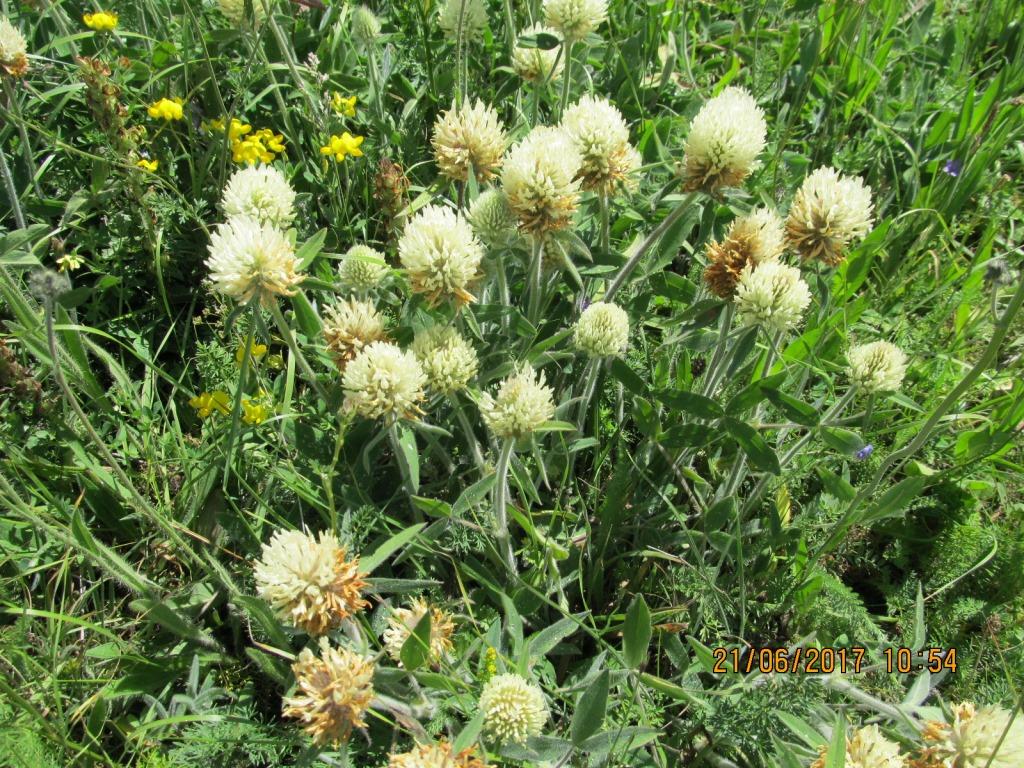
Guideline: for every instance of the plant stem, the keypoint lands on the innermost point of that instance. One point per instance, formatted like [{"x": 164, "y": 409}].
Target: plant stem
[
  {"x": 12, "y": 192},
  {"x": 460, "y": 40},
  {"x": 721, "y": 351},
  {"x": 474, "y": 446},
  {"x": 591, "y": 376},
  {"x": 286, "y": 332},
  {"x": 500, "y": 507},
  {"x": 534, "y": 288},
  {"x": 236, "y": 402},
  {"x": 606, "y": 234},
  {"x": 403, "y": 464},
  {"x": 566, "y": 77}
]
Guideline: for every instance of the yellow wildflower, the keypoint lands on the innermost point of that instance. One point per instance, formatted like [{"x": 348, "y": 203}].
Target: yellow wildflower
[
  {"x": 253, "y": 411},
  {"x": 69, "y": 262},
  {"x": 262, "y": 146},
  {"x": 101, "y": 21},
  {"x": 343, "y": 106},
  {"x": 148, "y": 165},
  {"x": 207, "y": 403},
  {"x": 167, "y": 109},
  {"x": 237, "y": 130},
  {"x": 274, "y": 142},
  {"x": 343, "y": 145},
  {"x": 213, "y": 125},
  {"x": 256, "y": 351}
]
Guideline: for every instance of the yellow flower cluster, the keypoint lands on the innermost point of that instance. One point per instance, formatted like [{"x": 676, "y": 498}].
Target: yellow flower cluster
[
  {"x": 167, "y": 109},
  {"x": 248, "y": 147},
  {"x": 343, "y": 106},
  {"x": 148, "y": 165},
  {"x": 207, "y": 404},
  {"x": 101, "y": 21},
  {"x": 342, "y": 146}
]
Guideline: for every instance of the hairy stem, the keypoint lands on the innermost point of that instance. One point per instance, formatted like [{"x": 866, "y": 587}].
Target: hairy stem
[{"x": 501, "y": 507}]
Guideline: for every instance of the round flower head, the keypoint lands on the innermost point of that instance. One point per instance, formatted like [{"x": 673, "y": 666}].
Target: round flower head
[
  {"x": 349, "y": 326},
  {"x": 492, "y": 219},
  {"x": 403, "y": 621},
  {"x": 535, "y": 65},
  {"x": 601, "y": 137},
  {"x": 522, "y": 404},
  {"x": 602, "y": 330},
  {"x": 13, "y": 58},
  {"x": 725, "y": 139},
  {"x": 474, "y": 19},
  {"x": 771, "y": 294},
  {"x": 751, "y": 239},
  {"x": 363, "y": 268},
  {"x": 260, "y": 192},
  {"x": 868, "y": 748},
  {"x": 234, "y": 10},
  {"x": 877, "y": 367},
  {"x": 539, "y": 180},
  {"x": 514, "y": 709},
  {"x": 439, "y": 755},
  {"x": 383, "y": 380},
  {"x": 829, "y": 212},
  {"x": 471, "y": 135},
  {"x": 970, "y": 740},
  {"x": 334, "y": 690},
  {"x": 441, "y": 254},
  {"x": 365, "y": 26},
  {"x": 249, "y": 260},
  {"x": 447, "y": 358},
  {"x": 575, "y": 19},
  {"x": 308, "y": 582}
]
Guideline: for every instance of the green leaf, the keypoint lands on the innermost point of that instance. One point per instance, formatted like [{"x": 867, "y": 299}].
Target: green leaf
[
  {"x": 636, "y": 632},
  {"x": 895, "y": 500},
  {"x": 835, "y": 485},
  {"x": 469, "y": 733},
  {"x": 795, "y": 410},
  {"x": 759, "y": 453},
  {"x": 557, "y": 426},
  {"x": 836, "y": 755},
  {"x": 546, "y": 639},
  {"x": 473, "y": 495},
  {"x": 629, "y": 380},
  {"x": 410, "y": 457},
  {"x": 416, "y": 648},
  {"x": 396, "y": 542},
  {"x": 692, "y": 403},
  {"x": 590, "y": 709},
  {"x": 310, "y": 249},
  {"x": 843, "y": 440}
]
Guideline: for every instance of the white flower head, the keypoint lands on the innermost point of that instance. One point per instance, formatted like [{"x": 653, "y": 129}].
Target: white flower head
[
  {"x": 349, "y": 327},
  {"x": 751, "y": 239},
  {"x": 448, "y": 360},
  {"x": 470, "y": 136},
  {"x": 474, "y": 19},
  {"x": 383, "y": 380},
  {"x": 492, "y": 219},
  {"x": 828, "y": 213},
  {"x": 13, "y": 56},
  {"x": 877, "y": 367},
  {"x": 514, "y": 708},
  {"x": 970, "y": 740},
  {"x": 535, "y": 65},
  {"x": 260, "y": 192},
  {"x": 234, "y": 10},
  {"x": 575, "y": 19},
  {"x": 601, "y": 137},
  {"x": 436, "y": 755},
  {"x": 539, "y": 180},
  {"x": 869, "y": 748},
  {"x": 365, "y": 26},
  {"x": 521, "y": 405},
  {"x": 771, "y": 294},
  {"x": 363, "y": 268},
  {"x": 249, "y": 260},
  {"x": 726, "y": 137},
  {"x": 441, "y": 254},
  {"x": 403, "y": 621},
  {"x": 602, "y": 330}
]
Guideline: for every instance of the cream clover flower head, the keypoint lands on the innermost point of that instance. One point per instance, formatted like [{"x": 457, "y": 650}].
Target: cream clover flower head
[
  {"x": 751, "y": 239},
  {"x": 260, "y": 192},
  {"x": 601, "y": 137},
  {"x": 365, "y": 26},
  {"x": 363, "y": 268},
  {"x": 771, "y": 294},
  {"x": 383, "y": 380},
  {"x": 474, "y": 19},
  {"x": 828, "y": 213},
  {"x": 441, "y": 254},
  {"x": 234, "y": 10},
  {"x": 869, "y": 748},
  {"x": 448, "y": 360},
  {"x": 333, "y": 691},
  {"x": 514, "y": 708},
  {"x": 309, "y": 583},
  {"x": 539, "y": 180},
  {"x": 602, "y": 330},
  {"x": 403, "y": 621},
  {"x": 726, "y": 136},
  {"x": 492, "y": 219},
  {"x": 575, "y": 19},
  {"x": 877, "y": 367},
  {"x": 349, "y": 327},
  {"x": 13, "y": 56},
  {"x": 469, "y": 136},
  {"x": 249, "y": 260},
  {"x": 970, "y": 740},
  {"x": 521, "y": 405},
  {"x": 439, "y": 755},
  {"x": 535, "y": 65}
]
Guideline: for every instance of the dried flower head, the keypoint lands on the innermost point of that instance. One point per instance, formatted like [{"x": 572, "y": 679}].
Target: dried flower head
[
  {"x": 602, "y": 330},
  {"x": 260, "y": 192},
  {"x": 828, "y": 213},
  {"x": 403, "y": 621},
  {"x": 310, "y": 583},
  {"x": 771, "y": 294},
  {"x": 363, "y": 268},
  {"x": 539, "y": 180},
  {"x": 441, "y": 254},
  {"x": 383, "y": 380},
  {"x": 725, "y": 139},
  {"x": 522, "y": 404},
  {"x": 751, "y": 239},
  {"x": 469, "y": 136},
  {"x": 13, "y": 58},
  {"x": 600, "y": 135},
  {"x": 492, "y": 219},
  {"x": 249, "y": 260},
  {"x": 447, "y": 358},
  {"x": 365, "y": 26},
  {"x": 868, "y": 748},
  {"x": 334, "y": 691},
  {"x": 575, "y": 19},
  {"x": 235, "y": 11},
  {"x": 474, "y": 19},
  {"x": 537, "y": 65},
  {"x": 350, "y": 326},
  {"x": 514, "y": 708},
  {"x": 877, "y": 367},
  {"x": 439, "y": 755},
  {"x": 970, "y": 740}
]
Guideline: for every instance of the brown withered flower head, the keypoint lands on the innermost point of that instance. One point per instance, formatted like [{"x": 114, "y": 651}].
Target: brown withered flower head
[{"x": 751, "y": 239}]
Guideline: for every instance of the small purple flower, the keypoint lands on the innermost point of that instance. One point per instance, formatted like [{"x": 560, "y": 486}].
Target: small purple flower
[
  {"x": 953, "y": 167},
  {"x": 864, "y": 452}
]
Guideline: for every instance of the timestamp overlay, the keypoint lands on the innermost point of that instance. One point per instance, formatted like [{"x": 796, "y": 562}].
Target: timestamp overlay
[{"x": 826, "y": 661}]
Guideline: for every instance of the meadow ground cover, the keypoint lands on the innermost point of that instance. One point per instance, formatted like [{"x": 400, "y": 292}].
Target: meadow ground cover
[{"x": 511, "y": 383}]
